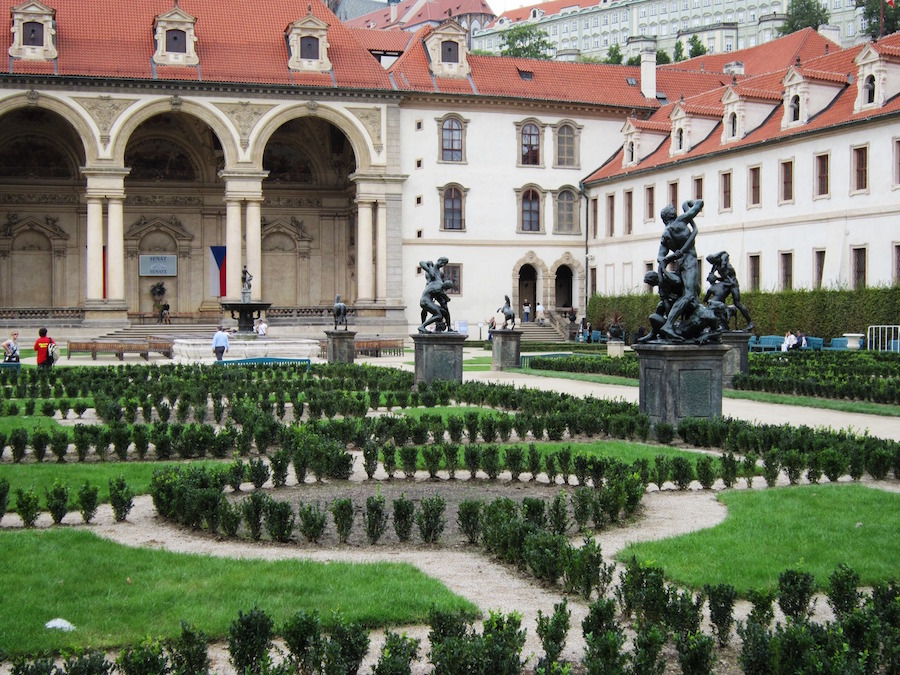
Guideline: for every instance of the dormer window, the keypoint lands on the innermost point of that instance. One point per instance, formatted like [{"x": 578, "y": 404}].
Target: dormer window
[
  {"x": 869, "y": 90},
  {"x": 175, "y": 39},
  {"x": 34, "y": 32},
  {"x": 308, "y": 45},
  {"x": 679, "y": 139},
  {"x": 732, "y": 125},
  {"x": 794, "y": 111},
  {"x": 446, "y": 47},
  {"x": 630, "y": 153}
]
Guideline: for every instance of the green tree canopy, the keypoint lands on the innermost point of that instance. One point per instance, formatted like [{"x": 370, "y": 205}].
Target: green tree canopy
[
  {"x": 633, "y": 60},
  {"x": 678, "y": 53},
  {"x": 527, "y": 41},
  {"x": 872, "y": 15},
  {"x": 614, "y": 55},
  {"x": 803, "y": 14},
  {"x": 695, "y": 47},
  {"x": 662, "y": 57}
]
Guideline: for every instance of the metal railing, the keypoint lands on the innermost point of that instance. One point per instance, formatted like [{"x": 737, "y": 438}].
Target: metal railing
[{"x": 883, "y": 338}]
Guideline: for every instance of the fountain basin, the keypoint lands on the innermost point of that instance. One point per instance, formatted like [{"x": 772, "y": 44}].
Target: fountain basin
[{"x": 200, "y": 351}]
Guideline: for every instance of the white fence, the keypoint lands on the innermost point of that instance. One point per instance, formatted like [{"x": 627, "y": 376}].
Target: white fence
[{"x": 883, "y": 338}]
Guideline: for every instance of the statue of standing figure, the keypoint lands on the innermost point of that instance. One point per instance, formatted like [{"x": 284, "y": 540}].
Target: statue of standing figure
[
  {"x": 434, "y": 297},
  {"x": 246, "y": 278},
  {"x": 677, "y": 244},
  {"x": 723, "y": 282}
]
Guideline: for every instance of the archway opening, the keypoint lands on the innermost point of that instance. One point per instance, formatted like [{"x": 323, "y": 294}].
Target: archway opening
[
  {"x": 528, "y": 288},
  {"x": 563, "y": 291}
]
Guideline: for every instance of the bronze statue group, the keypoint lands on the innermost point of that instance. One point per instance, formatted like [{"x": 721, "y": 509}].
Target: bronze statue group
[{"x": 680, "y": 316}]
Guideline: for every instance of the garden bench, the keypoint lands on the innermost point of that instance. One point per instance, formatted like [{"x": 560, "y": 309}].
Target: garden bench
[
  {"x": 117, "y": 347},
  {"x": 263, "y": 360},
  {"x": 837, "y": 345},
  {"x": 13, "y": 365},
  {"x": 598, "y": 337},
  {"x": 767, "y": 343},
  {"x": 525, "y": 361},
  {"x": 379, "y": 347},
  {"x": 814, "y": 343}
]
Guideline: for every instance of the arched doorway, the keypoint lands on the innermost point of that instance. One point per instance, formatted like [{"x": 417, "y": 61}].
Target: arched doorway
[
  {"x": 308, "y": 223},
  {"x": 527, "y": 288},
  {"x": 40, "y": 186},
  {"x": 564, "y": 288}
]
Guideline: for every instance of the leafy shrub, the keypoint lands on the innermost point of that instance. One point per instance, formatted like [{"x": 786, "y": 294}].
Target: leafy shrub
[
  {"x": 389, "y": 459},
  {"x": 312, "y": 522},
  {"x": 721, "y": 610},
  {"x": 91, "y": 662},
  {"x": 647, "y": 658},
  {"x": 843, "y": 596},
  {"x": 27, "y": 506},
  {"x": 729, "y": 469},
  {"x": 580, "y": 467},
  {"x": 545, "y": 555},
  {"x": 762, "y": 612},
  {"x": 229, "y": 517},
  {"x": 235, "y": 474},
  {"x": 40, "y": 439},
  {"x": 748, "y": 467},
  {"x": 756, "y": 652},
  {"x": 706, "y": 471},
  {"x": 490, "y": 461},
  {"x": 258, "y": 472},
  {"x": 409, "y": 459},
  {"x": 664, "y": 432},
  {"x": 451, "y": 458},
  {"x": 696, "y": 653},
  {"x": 280, "y": 460},
  {"x": 551, "y": 468},
  {"x": 430, "y": 518},
  {"x": 40, "y": 666},
  {"x": 834, "y": 464},
  {"x": 59, "y": 445},
  {"x": 431, "y": 455},
  {"x": 250, "y": 640},
  {"x": 552, "y": 631},
  {"x": 534, "y": 460},
  {"x": 370, "y": 458},
  {"x": 146, "y": 658},
  {"x": 253, "y": 508},
  {"x": 469, "y": 518},
  {"x": 375, "y": 518},
  {"x": 582, "y": 506},
  {"x": 795, "y": 592},
  {"x": 682, "y": 472},
  {"x": 472, "y": 458},
  {"x": 662, "y": 469},
  {"x": 18, "y": 440},
  {"x": 503, "y": 642},
  {"x": 404, "y": 514},
  {"x": 342, "y": 512},
  {"x": 558, "y": 514},
  {"x": 58, "y": 501},
  {"x": 685, "y": 612},
  {"x": 279, "y": 519},
  {"x": 771, "y": 466},
  {"x": 515, "y": 459},
  {"x": 814, "y": 467},
  {"x": 586, "y": 571},
  {"x": 534, "y": 511},
  {"x": 564, "y": 463},
  {"x": 302, "y": 634},
  {"x": 397, "y": 654},
  {"x": 4, "y": 496},
  {"x": 121, "y": 498},
  {"x": 347, "y": 647}
]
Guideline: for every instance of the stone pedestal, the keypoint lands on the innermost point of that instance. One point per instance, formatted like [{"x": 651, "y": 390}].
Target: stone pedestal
[
  {"x": 736, "y": 357},
  {"x": 439, "y": 356},
  {"x": 341, "y": 347},
  {"x": 615, "y": 349},
  {"x": 679, "y": 381},
  {"x": 506, "y": 349}
]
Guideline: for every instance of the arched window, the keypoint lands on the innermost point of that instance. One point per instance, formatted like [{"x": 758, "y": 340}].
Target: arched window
[
  {"x": 869, "y": 89},
  {"x": 630, "y": 155},
  {"x": 451, "y": 140},
  {"x": 679, "y": 139},
  {"x": 531, "y": 211},
  {"x": 732, "y": 125},
  {"x": 452, "y": 204},
  {"x": 795, "y": 108},
  {"x": 566, "y": 213},
  {"x": 565, "y": 146},
  {"x": 531, "y": 145}
]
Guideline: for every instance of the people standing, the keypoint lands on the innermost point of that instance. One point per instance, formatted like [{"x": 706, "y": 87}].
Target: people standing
[
  {"x": 42, "y": 348},
  {"x": 220, "y": 343},
  {"x": 11, "y": 348},
  {"x": 526, "y": 311},
  {"x": 540, "y": 313}
]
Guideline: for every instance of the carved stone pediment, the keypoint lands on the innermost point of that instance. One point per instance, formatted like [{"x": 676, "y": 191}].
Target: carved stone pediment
[{"x": 172, "y": 227}]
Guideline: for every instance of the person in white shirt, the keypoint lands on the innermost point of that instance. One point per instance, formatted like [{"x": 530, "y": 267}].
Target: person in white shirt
[
  {"x": 540, "y": 314},
  {"x": 262, "y": 328},
  {"x": 789, "y": 341}
]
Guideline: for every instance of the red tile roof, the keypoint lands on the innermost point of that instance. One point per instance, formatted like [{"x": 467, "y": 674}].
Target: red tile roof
[
  {"x": 382, "y": 40},
  {"x": 548, "y": 8},
  {"x": 412, "y": 13},
  {"x": 839, "y": 112},
  {"x": 238, "y": 41}
]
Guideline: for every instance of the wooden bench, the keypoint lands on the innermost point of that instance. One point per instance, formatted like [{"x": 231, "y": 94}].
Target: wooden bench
[
  {"x": 379, "y": 347},
  {"x": 162, "y": 346}
]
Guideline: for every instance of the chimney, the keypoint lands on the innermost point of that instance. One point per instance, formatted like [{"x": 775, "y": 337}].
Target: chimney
[
  {"x": 648, "y": 72},
  {"x": 393, "y": 6},
  {"x": 832, "y": 33}
]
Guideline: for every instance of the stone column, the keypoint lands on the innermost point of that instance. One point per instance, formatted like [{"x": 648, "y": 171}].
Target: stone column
[
  {"x": 233, "y": 255},
  {"x": 94, "y": 261},
  {"x": 254, "y": 248},
  {"x": 506, "y": 350},
  {"x": 381, "y": 252},
  {"x": 115, "y": 252},
  {"x": 365, "y": 272},
  {"x": 438, "y": 356}
]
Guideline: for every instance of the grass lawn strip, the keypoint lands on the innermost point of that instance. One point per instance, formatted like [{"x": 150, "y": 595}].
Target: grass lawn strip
[
  {"x": 116, "y": 595},
  {"x": 811, "y": 528}
]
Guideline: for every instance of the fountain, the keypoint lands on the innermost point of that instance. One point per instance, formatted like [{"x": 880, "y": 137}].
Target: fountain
[{"x": 247, "y": 310}]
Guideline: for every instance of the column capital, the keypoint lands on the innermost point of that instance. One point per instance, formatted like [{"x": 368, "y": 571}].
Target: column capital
[
  {"x": 105, "y": 181},
  {"x": 243, "y": 185}
]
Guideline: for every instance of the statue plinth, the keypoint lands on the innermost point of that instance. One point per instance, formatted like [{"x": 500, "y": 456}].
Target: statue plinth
[
  {"x": 679, "y": 381},
  {"x": 615, "y": 349},
  {"x": 506, "y": 348},
  {"x": 438, "y": 356},
  {"x": 341, "y": 346},
  {"x": 736, "y": 360}
]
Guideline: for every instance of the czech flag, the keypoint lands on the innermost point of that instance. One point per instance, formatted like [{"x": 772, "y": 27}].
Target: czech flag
[{"x": 217, "y": 271}]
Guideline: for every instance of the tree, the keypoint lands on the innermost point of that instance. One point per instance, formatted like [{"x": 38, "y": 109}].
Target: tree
[
  {"x": 614, "y": 55},
  {"x": 678, "y": 54},
  {"x": 633, "y": 60},
  {"x": 804, "y": 14},
  {"x": 662, "y": 57},
  {"x": 872, "y": 15},
  {"x": 695, "y": 47},
  {"x": 528, "y": 41}
]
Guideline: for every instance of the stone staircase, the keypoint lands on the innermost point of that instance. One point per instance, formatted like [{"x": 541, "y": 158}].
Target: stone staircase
[
  {"x": 162, "y": 330},
  {"x": 533, "y": 332}
]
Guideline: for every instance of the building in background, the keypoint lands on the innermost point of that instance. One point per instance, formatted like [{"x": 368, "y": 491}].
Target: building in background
[{"x": 411, "y": 15}]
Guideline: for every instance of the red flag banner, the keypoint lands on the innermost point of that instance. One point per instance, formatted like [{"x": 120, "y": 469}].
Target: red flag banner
[{"x": 890, "y": 2}]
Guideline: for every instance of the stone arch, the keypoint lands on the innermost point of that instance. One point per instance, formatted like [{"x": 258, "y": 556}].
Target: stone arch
[
  {"x": 578, "y": 278},
  {"x": 540, "y": 267},
  {"x": 206, "y": 114},
  {"x": 352, "y": 129},
  {"x": 165, "y": 236},
  {"x": 284, "y": 244},
  {"x": 74, "y": 115},
  {"x": 38, "y": 246}
]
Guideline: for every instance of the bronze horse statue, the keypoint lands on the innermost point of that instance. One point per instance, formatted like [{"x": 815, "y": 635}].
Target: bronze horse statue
[
  {"x": 340, "y": 312},
  {"x": 509, "y": 316}
]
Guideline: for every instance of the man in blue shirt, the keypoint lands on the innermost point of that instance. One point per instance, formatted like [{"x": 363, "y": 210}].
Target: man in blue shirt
[{"x": 220, "y": 343}]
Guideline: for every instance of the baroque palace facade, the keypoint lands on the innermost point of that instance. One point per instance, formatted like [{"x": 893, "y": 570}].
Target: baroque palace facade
[{"x": 179, "y": 142}]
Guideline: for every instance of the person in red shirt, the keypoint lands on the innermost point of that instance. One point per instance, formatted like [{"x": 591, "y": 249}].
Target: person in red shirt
[{"x": 42, "y": 348}]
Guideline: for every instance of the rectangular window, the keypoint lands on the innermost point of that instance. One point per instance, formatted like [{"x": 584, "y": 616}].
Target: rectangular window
[
  {"x": 753, "y": 192},
  {"x": 787, "y": 271},
  {"x": 897, "y": 162},
  {"x": 787, "y": 181},
  {"x": 593, "y": 281},
  {"x": 726, "y": 191},
  {"x": 629, "y": 211},
  {"x": 610, "y": 215},
  {"x": 673, "y": 194},
  {"x": 822, "y": 180},
  {"x": 698, "y": 187},
  {"x": 453, "y": 272},
  {"x": 860, "y": 169},
  {"x": 649, "y": 203},
  {"x": 594, "y": 223},
  {"x": 819, "y": 269},
  {"x": 753, "y": 271},
  {"x": 859, "y": 267}
]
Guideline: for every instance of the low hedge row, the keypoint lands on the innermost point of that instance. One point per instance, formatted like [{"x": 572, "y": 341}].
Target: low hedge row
[{"x": 626, "y": 366}]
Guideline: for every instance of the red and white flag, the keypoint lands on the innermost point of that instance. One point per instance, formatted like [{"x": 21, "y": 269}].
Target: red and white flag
[{"x": 890, "y": 2}]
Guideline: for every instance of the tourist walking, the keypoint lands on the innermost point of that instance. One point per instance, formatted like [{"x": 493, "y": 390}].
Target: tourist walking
[
  {"x": 220, "y": 343},
  {"x": 43, "y": 347},
  {"x": 11, "y": 348}
]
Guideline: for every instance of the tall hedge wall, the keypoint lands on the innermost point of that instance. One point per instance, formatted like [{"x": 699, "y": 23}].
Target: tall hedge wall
[{"x": 823, "y": 313}]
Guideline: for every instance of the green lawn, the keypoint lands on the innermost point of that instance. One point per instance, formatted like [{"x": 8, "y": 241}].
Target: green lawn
[
  {"x": 116, "y": 595},
  {"x": 811, "y": 528}
]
